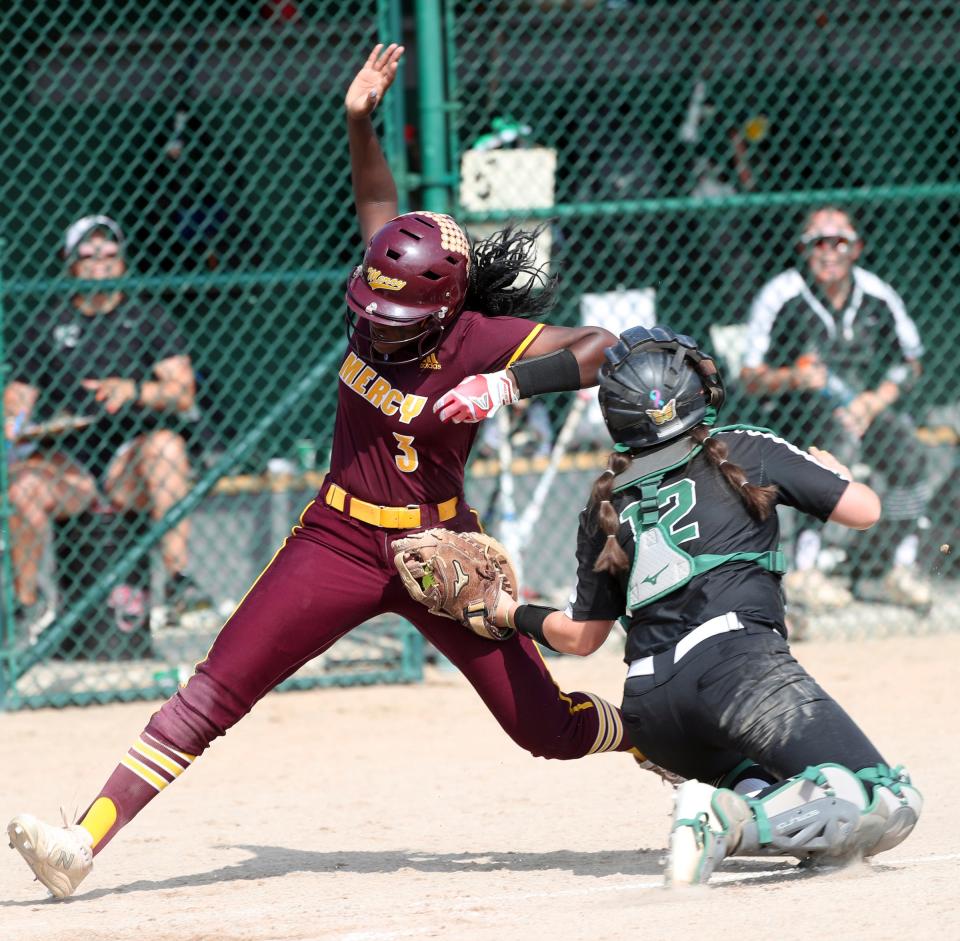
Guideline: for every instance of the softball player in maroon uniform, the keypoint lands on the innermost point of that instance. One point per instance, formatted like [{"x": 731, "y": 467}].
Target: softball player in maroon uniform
[{"x": 425, "y": 363}]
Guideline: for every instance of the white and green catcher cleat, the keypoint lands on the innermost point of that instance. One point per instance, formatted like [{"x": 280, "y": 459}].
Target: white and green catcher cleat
[{"x": 706, "y": 826}]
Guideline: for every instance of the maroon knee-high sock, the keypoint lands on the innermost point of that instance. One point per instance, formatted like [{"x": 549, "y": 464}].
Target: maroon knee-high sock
[{"x": 147, "y": 768}]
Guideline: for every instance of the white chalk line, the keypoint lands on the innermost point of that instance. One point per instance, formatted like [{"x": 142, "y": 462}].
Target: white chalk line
[{"x": 720, "y": 878}]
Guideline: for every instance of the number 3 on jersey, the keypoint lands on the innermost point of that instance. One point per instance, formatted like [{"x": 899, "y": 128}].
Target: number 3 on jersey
[{"x": 407, "y": 460}]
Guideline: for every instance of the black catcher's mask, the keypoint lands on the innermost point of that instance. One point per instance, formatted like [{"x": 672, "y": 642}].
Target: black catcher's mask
[{"x": 655, "y": 386}]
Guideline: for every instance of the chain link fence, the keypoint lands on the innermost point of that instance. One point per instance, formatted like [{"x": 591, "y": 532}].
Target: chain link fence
[
  {"x": 193, "y": 156},
  {"x": 676, "y": 152},
  {"x": 672, "y": 151}
]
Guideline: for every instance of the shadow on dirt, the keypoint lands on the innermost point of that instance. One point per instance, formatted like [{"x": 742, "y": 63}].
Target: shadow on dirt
[{"x": 267, "y": 862}]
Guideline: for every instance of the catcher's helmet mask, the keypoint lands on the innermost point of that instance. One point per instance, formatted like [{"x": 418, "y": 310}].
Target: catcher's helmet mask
[
  {"x": 415, "y": 272},
  {"x": 655, "y": 386}
]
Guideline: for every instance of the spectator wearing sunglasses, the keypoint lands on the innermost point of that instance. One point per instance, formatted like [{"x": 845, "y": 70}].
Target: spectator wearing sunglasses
[{"x": 832, "y": 352}]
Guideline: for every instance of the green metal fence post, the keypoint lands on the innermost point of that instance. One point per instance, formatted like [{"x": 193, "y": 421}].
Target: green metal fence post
[
  {"x": 433, "y": 116},
  {"x": 390, "y": 23},
  {"x": 6, "y": 575},
  {"x": 453, "y": 97}
]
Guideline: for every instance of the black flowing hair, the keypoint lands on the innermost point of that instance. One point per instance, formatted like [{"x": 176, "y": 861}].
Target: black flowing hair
[{"x": 496, "y": 264}]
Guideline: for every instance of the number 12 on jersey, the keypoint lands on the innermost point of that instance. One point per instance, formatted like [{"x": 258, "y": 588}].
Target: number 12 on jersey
[{"x": 678, "y": 499}]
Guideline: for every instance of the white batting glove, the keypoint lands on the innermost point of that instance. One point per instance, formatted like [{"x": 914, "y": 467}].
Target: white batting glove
[{"x": 477, "y": 398}]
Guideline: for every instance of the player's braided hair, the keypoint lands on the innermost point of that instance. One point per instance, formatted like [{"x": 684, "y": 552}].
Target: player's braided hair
[
  {"x": 759, "y": 501},
  {"x": 497, "y": 262},
  {"x": 612, "y": 558}
]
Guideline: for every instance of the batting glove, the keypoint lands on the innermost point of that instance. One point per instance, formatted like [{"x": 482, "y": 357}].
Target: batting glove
[{"x": 477, "y": 398}]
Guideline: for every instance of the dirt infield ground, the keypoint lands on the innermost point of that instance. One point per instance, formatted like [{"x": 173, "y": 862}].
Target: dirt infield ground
[{"x": 373, "y": 814}]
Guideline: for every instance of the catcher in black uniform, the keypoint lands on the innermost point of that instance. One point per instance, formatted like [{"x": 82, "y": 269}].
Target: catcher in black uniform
[{"x": 680, "y": 542}]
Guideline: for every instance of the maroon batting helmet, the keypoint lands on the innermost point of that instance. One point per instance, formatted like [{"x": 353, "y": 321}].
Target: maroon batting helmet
[{"x": 415, "y": 270}]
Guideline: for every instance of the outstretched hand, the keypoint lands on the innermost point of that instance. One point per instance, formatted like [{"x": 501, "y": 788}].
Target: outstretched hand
[{"x": 372, "y": 81}]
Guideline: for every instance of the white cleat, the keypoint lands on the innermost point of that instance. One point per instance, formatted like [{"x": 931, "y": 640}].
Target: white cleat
[
  {"x": 60, "y": 857},
  {"x": 698, "y": 842}
]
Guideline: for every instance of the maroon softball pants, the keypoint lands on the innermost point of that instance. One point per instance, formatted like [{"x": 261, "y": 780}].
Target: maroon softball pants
[{"x": 334, "y": 573}]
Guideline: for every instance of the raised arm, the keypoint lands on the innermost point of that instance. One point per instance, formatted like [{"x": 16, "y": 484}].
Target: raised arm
[{"x": 374, "y": 189}]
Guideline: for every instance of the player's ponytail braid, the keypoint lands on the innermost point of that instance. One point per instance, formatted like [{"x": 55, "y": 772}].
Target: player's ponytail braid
[
  {"x": 612, "y": 558},
  {"x": 504, "y": 276},
  {"x": 759, "y": 501}
]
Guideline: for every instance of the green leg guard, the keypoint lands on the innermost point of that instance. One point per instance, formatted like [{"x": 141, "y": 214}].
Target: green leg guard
[{"x": 823, "y": 815}]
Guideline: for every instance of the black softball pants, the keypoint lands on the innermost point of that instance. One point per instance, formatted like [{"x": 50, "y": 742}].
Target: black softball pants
[{"x": 740, "y": 695}]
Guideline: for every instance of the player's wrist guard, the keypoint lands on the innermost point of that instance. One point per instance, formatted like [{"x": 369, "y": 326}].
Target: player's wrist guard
[
  {"x": 556, "y": 372},
  {"x": 528, "y": 619}
]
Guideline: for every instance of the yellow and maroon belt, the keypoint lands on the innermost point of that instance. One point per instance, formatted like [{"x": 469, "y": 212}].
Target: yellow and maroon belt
[{"x": 390, "y": 517}]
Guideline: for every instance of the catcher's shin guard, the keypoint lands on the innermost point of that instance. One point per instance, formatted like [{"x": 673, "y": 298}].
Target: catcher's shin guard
[
  {"x": 826, "y": 814},
  {"x": 820, "y": 813}
]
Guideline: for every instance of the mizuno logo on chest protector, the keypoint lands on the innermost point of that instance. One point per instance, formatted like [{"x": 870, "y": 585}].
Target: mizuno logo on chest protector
[{"x": 652, "y": 579}]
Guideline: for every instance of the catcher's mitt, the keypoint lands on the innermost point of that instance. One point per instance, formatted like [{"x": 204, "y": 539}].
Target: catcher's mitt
[{"x": 457, "y": 575}]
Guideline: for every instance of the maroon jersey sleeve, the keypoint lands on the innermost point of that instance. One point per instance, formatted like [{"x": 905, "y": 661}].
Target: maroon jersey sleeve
[{"x": 493, "y": 343}]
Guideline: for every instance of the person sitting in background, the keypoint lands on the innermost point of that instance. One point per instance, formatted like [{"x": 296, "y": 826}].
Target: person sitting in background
[
  {"x": 121, "y": 370},
  {"x": 832, "y": 349}
]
